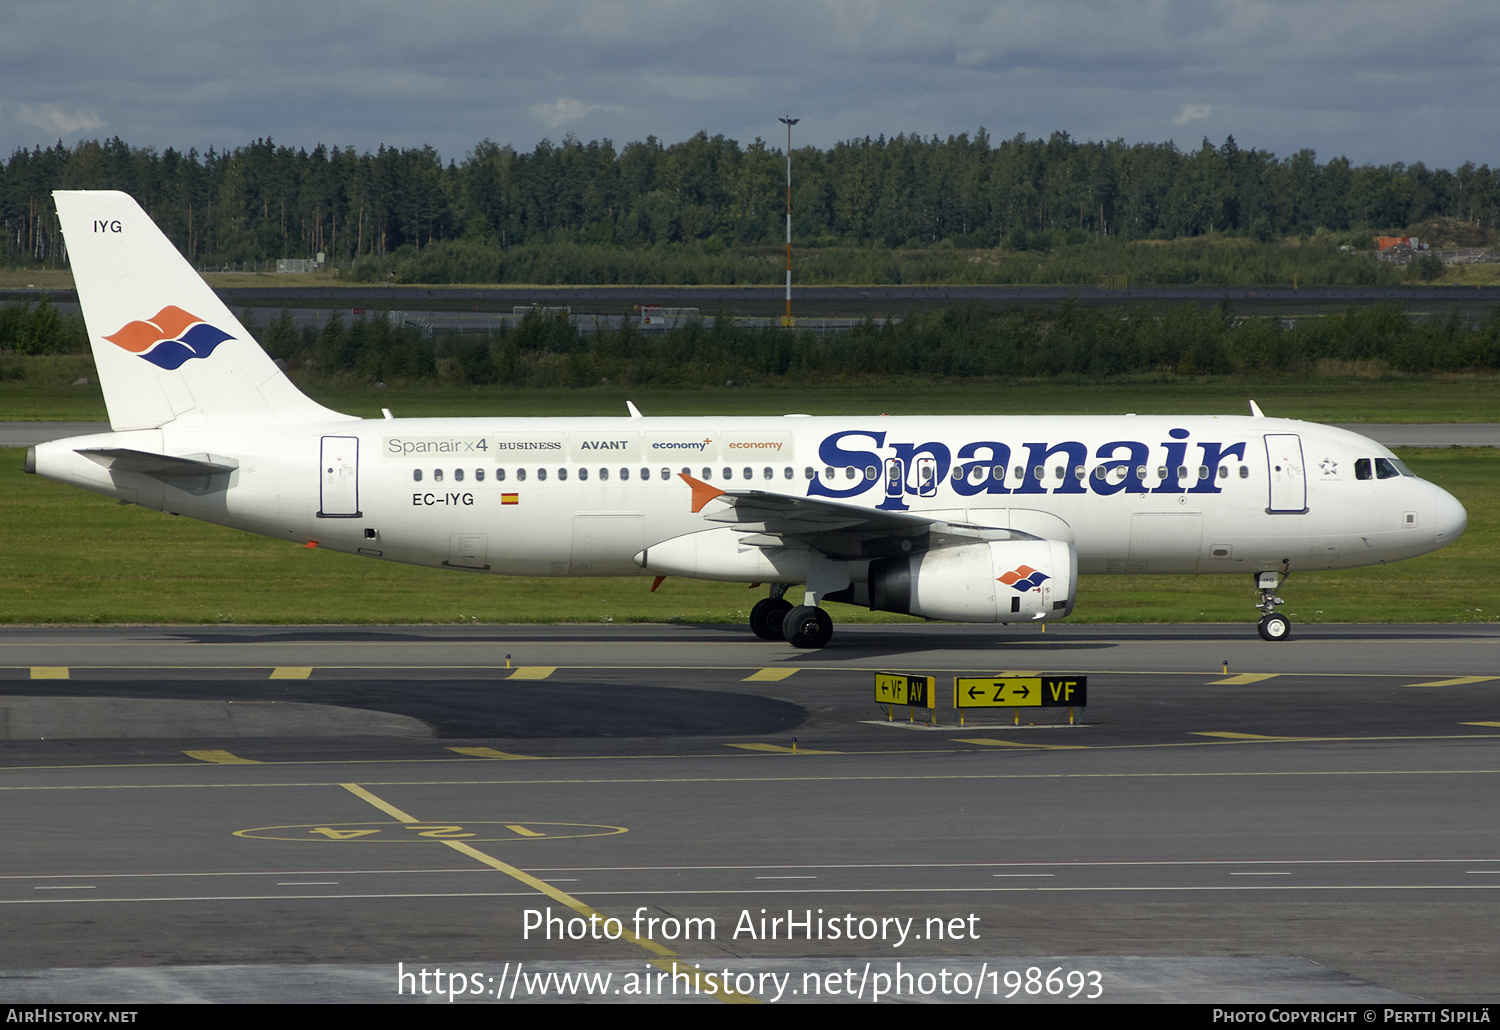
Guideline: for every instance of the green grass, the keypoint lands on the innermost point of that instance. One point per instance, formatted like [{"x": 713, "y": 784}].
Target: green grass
[{"x": 71, "y": 556}]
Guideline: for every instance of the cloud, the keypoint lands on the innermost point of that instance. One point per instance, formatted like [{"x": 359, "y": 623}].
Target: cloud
[
  {"x": 567, "y": 109},
  {"x": 1192, "y": 112},
  {"x": 53, "y": 120}
]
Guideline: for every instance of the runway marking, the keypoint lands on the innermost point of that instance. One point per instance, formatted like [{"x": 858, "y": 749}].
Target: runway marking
[
  {"x": 532, "y": 672},
  {"x": 49, "y": 672},
  {"x": 1228, "y": 735},
  {"x": 424, "y": 833},
  {"x": 662, "y": 954},
  {"x": 777, "y": 749},
  {"x": 489, "y": 752},
  {"x": 220, "y": 758},
  {"x": 992, "y": 742},
  {"x": 1457, "y": 681},
  {"x": 291, "y": 672},
  {"x": 1018, "y": 876},
  {"x": 1260, "y": 874},
  {"x": 75, "y": 888},
  {"x": 768, "y": 675},
  {"x": 1244, "y": 678},
  {"x": 1494, "y": 724}
]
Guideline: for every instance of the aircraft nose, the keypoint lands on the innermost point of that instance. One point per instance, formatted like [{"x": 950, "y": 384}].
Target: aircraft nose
[{"x": 1449, "y": 518}]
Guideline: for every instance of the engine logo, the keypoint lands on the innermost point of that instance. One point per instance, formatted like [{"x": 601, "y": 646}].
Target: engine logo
[{"x": 1024, "y": 577}]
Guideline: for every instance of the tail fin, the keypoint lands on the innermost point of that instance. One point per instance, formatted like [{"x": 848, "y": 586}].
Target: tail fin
[{"x": 165, "y": 346}]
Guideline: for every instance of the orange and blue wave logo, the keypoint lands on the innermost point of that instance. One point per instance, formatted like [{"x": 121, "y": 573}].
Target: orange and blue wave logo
[
  {"x": 1024, "y": 578},
  {"x": 171, "y": 338}
]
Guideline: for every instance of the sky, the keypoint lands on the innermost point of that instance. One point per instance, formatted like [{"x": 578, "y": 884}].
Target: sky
[{"x": 1378, "y": 81}]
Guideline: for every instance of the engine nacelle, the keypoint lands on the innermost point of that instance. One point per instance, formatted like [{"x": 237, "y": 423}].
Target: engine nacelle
[{"x": 1000, "y": 581}]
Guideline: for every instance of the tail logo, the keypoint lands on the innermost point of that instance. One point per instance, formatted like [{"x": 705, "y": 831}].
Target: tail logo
[
  {"x": 1024, "y": 578},
  {"x": 171, "y": 338}
]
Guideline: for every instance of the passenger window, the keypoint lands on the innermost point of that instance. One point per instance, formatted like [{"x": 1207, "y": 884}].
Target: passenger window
[
  {"x": 1202, "y": 471},
  {"x": 1223, "y": 472},
  {"x": 870, "y": 472},
  {"x": 828, "y": 472},
  {"x": 624, "y": 474},
  {"x": 998, "y": 472},
  {"x": 1020, "y": 472},
  {"x": 708, "y": 474},
  {"x": 1039, "y": 472},
  {"x": 458, "y": 475},
  {"x": 808, "y": 473},
  {"x": 958, "y": 473},
  {"x": 499, "y": 475},
  {"x": 789, "y": 474},
  {"x": 729, "y": 474},
  {"x": 1058, "y": 472},
  {"x": 583, "y": 474},
  {"x": 748, "y": 473},
  {"x": 541, "y": 474},
  {"x": 1161, "y": 472},
  {"x": 437, "y": 475},
  {"x": 1244, "y": 471},
  {"x": 604, "y": 475},
  {"x": 521, "y": 475},
  {"x": 479, "y": 475},
  {"x": 1078, "y": 472},
  {"x": 562, "y": 474},
  {"x": 1181, "y": 471},
  {"x": 666, "y": 473},
  {"x": 770, "y": 473},
  {"x": 416, "y": 475}
]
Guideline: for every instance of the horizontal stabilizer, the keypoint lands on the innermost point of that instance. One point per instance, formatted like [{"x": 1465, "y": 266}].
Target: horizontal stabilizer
[{"x": 160, "y": 466}]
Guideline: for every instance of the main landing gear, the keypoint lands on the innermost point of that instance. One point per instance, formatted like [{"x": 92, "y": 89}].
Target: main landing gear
[
  {"x": 804, "y": 626},
  {"x": 1273, "y": 626}
]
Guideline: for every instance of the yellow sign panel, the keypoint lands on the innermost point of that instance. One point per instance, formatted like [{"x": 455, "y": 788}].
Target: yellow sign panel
[
  {"x": 899, "y": 688},
  {"x": 1020, "y": 692}
]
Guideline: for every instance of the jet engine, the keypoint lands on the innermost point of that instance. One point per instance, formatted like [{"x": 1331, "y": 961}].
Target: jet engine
[{"x": 999, "y": 581}]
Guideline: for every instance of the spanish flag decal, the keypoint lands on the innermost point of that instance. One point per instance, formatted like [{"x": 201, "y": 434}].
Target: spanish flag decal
[{"x": 510, "y": 498}]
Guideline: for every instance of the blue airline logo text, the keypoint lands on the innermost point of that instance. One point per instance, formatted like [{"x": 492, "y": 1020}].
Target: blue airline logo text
[{"x": 1122, "y": 468}]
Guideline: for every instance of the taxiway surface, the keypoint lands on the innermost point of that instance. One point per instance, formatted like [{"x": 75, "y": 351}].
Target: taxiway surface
[{"x": 230, "y": 813}]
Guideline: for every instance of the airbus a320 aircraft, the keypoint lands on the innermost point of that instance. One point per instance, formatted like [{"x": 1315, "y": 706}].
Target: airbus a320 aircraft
[{"x": 971, "y": 519}]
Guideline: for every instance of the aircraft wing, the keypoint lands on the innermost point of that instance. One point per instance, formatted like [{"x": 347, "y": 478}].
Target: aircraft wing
[{"x": 840, "y": 531}]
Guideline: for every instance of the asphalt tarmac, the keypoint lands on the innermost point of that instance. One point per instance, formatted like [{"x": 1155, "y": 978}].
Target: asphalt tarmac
[{"x": 338, "y": 813}]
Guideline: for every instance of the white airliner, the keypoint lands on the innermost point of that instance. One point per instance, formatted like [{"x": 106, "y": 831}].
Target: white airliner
[{"x": 971, "y": 519}]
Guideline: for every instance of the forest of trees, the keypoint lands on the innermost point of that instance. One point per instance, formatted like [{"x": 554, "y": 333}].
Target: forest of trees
[
  {"x": 1074, "y": 341},
  {"x": 708, "y": 209}
]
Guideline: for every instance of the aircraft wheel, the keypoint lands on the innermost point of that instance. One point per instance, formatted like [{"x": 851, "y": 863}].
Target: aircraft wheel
[
  {"x": 768, "y": 617},
  {"x": 1275, "y": 627},
  {"x": 808, "y": 627}
]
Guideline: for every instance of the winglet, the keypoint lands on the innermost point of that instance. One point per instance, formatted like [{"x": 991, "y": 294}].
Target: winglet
[
  {"x": 702, "y": 492},
  {"x": 1255, "y": 411},
  {"x": 634, "y": 411}
]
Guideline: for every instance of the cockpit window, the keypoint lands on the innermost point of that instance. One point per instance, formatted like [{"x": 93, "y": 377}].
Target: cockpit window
[
  {"x": 1385, "y": 470},
  {"x": 1362, "y": 468},
  {"x": 1402, "y": 468}
]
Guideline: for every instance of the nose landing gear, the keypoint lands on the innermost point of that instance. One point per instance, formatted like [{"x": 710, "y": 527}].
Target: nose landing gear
[{"x": 1273, "y": 626}]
